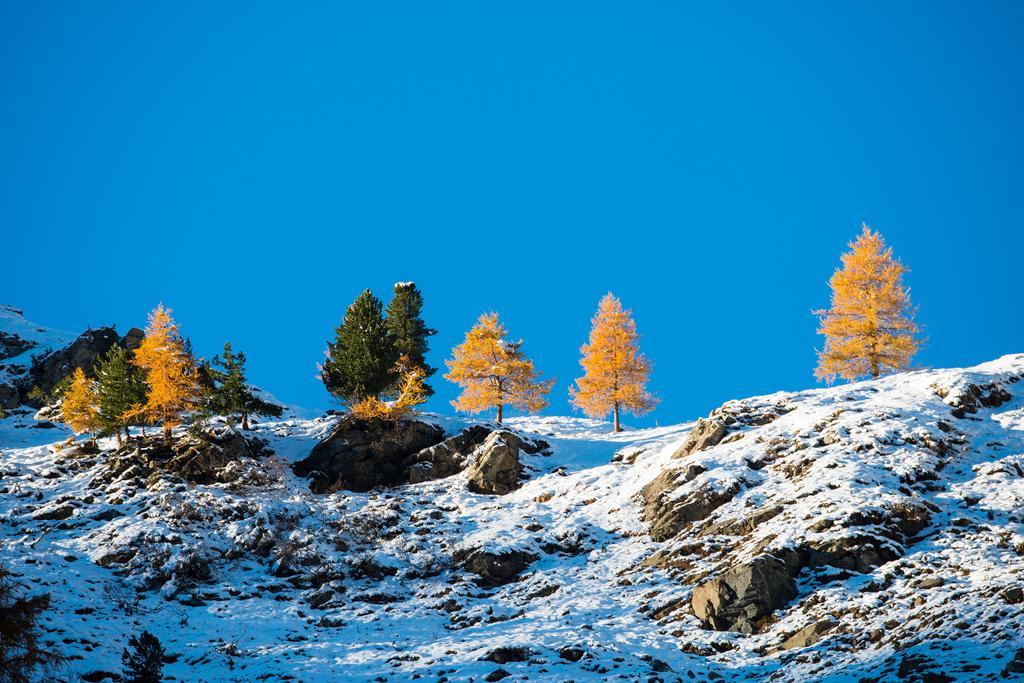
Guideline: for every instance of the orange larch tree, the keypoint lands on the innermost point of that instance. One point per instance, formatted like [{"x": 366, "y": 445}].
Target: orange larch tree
[
  {"x": 79, "y": 407},
  {"x": 170, "y": 370},
  {"x": 494, "y": 372},
  {"x": 615, "y": 373},
  {"x": 869, "y": 329}
]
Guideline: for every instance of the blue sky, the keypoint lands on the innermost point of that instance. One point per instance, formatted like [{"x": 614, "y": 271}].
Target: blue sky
[{"x": 254, "y": 166}]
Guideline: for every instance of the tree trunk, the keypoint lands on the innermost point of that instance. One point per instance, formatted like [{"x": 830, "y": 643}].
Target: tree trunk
[
  {"x": 117, "y": 430},
  {"x": 618, "y": 427},
  {"x": 245, "y": 421},
  {"x": 500, "y": 406},
  {"x": 167, "y": 433}
]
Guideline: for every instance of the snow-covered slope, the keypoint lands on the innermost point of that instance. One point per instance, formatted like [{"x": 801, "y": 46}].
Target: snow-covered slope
[
  {"x": 20, "y": 339},
  {"x": 898, "y": 509}
]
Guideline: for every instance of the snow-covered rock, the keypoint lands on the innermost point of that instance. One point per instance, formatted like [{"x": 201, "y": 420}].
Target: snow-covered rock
[{"x": 871, "y": 531}]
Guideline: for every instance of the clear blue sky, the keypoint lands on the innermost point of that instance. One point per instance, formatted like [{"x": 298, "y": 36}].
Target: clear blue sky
[{"x": 254, "y": 166}]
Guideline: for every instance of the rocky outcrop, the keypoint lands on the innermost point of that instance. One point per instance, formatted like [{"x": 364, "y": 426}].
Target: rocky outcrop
[
  {"x": 667, "y": 514},
  {"x": 85, "y": 352},
  {"x": 967, "y": 399},
  {"x": 12, "y": 345},
  {"x": 360, "y": 455},
  {"x": 741, "y": 597},
  {"x": 495, "y": 469},
  {"x": 704, "y": 435},
  {"x": 446, "y": 458},
  {"x": 197, "y": 458},
  {"x": 495, "y": 569}
]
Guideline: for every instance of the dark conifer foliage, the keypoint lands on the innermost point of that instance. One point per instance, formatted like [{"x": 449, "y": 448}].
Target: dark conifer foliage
[
  {"x": 410, "y": 333},
  {"x": 121, "y": 386},
  {"x": 231, "y": 395},
  {"x": 361, "y": 359},
  {"x": 143, "y": 659},
  {"x": 22, "y": 657}
]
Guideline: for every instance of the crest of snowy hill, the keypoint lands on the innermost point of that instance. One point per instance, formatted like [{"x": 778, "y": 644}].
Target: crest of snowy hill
[{"x": 866, "y": 532}]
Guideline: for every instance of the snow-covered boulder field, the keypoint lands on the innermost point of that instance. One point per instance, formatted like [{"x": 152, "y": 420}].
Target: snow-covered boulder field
[{"x": 865, "y": 532}]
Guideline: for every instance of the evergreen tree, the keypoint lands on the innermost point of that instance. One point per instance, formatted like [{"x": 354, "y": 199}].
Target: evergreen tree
[
  {"x": 361, "y": 361},
  {"x": 494, "y": 372},
  {"x": 869, "y": 329},
  {"x": 410, "y": 333},
  {"x": 121, "y": 387},
  {"x": 144, "y": 663},
  {"x": 170, "y": 370},
  {"x": 79, "y": 406},
  {"x": 232, "y": 395},
  {"x": 615, "y": 372},
  {"x": 22, "y": 656}
]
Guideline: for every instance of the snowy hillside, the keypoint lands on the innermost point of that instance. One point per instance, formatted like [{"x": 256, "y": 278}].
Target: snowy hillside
[{"x": 866, "y": 532}]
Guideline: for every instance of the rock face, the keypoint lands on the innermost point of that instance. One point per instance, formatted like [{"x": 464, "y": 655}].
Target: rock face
[
  {"x": 495, "y": 569},
  {"x": 705, "y": 434},
  {"x": 360, "y": 455},
  {"x": 738, "y": 599},
  {"x": 495, "y": 470},
  {"x": 667, "y": 514},
  {"x": 85, "y": 352},
  {"x": 446, "y": 458},
  {"x": 12, "y": 345}
]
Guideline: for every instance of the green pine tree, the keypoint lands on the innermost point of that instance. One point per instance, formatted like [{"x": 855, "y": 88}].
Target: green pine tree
[
  {"x": 361, "y": 359},
  {"x": 144, "y": 663},
  {"x": 231, "y": 394},
  {"x": 410, "y": 333},
  {"x": 121, "y": 386}
]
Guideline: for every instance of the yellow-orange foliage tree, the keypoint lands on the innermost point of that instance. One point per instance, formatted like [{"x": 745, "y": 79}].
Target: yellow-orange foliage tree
[
  {"x": 615, "y": 372},
  {"x": 79, "y": 406},
  {"x": 173, "y": 388},
  {"x": 412, "y": 392},
  {"x": 869, "y": 329},
  {"x": 494, "y": 372}
]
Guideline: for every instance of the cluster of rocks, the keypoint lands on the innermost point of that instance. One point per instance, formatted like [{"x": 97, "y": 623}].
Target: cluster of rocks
[
  {"x": 360, "y": 455},
  {"x": 197, "y": 457}
]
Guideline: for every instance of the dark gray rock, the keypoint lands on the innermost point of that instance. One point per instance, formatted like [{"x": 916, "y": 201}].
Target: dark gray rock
[
  {"x": 495, "y": 569},
  {"x": 446, "y": 458},
  {"x": 12, "y": 345},
  {"x": 360, "y": 455},
  {"x": 85, "y": 352},
  {"x": 742, "y": 596}
]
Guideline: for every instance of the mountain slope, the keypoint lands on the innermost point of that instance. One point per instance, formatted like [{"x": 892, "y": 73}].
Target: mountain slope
[{"x": 882, "y": 519}]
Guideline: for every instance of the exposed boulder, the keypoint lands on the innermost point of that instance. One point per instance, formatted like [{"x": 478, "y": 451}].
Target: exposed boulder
[
  {"x": 360, "y": 455},
  {"x": 668, "y": 514},
  {"x": 446, "y": 458},
  {"x": 495, "y": 469},
  {"x": 742, "y": 596},
  {"x": 704, "y": 435},
  {"x": 809, "y": 635},
  {"x": 495, "y": 569}
]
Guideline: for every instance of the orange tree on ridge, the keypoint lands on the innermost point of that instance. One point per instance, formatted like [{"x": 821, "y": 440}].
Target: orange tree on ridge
[
  {"x": 615, "y": 372},
  {"x": 170, "y": 372},
  {"x": 869, "y": 329},
  {"x": 494, "y": 371}
]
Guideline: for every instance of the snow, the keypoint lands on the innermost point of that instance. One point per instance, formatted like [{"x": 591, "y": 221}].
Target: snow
[{"x": 405, "y": 610}]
